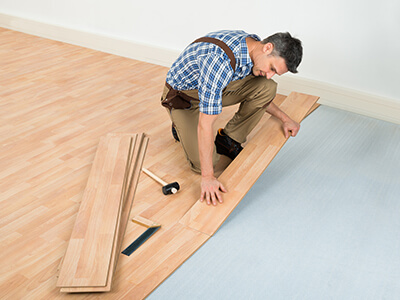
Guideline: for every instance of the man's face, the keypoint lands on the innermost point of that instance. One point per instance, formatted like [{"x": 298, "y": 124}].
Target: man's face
[{"x": 268, "y": 65}]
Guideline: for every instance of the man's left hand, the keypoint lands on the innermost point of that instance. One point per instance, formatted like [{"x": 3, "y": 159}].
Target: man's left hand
[{"x": 290, "y": 128}]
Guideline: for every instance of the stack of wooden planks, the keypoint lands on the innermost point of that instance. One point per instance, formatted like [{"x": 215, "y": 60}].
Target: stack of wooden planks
[{"x": 91, "y": 257}]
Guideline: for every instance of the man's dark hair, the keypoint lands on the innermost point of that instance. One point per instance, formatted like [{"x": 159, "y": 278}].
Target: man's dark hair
[{"x": 287, "y": 47}]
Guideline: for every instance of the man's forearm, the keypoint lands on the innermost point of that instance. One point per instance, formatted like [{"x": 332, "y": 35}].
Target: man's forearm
[
  {"x": 206, "y": 144},
  {"x": 274, "y": 110},
  {"x": 211, "y": 188},
  {"x": 290, "y": 127}
]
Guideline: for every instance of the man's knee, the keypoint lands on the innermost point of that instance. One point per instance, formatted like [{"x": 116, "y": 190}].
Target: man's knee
[
  {"x": 266, "y": 87},
  {"x": 271, "y": 87}
]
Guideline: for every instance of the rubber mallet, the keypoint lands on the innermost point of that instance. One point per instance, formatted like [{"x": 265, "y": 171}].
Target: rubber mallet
[{"x": 168, "y": 188}]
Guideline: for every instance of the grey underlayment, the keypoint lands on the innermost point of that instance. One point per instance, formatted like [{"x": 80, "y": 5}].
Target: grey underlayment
[{"x": 322, "y": 222}]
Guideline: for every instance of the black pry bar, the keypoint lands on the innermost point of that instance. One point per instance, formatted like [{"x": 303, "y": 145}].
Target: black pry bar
[{"x": 140, "y": 240}]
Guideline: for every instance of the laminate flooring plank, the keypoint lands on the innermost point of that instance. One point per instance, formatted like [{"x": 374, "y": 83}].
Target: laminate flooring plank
[
  {"x": 243, "y": 172},
  {"x": 137, "y": 141},
  {"x": 88, "y": 261},
  {"x": 135, "y": 166},
  {"x": 92, "y": 237},
  {"x": 105, "y": 228},
  {"x": 133, "y": 188},
  {"x": 133, "y": 178},
  {"x": 71, "y": 257},
  {"x": 313, "y": 108}
]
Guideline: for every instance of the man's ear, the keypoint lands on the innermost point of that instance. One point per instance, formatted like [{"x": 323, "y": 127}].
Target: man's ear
[{"x": 268, "y": 48}]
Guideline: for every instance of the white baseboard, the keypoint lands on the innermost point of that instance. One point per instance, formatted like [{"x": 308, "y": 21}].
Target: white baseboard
[
  {"x": 330, "y": 95},
  {"x": 147, "y": 53}
]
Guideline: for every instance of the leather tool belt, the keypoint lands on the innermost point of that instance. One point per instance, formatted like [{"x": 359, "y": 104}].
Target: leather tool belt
[{"x": 178, "y": 99}]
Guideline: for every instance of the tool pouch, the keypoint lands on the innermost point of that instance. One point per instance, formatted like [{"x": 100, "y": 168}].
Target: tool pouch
[{"x": 176, "y": 99}]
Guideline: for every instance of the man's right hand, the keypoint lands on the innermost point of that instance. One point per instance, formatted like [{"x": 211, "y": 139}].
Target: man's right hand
[{"x": 211, "y": 190}]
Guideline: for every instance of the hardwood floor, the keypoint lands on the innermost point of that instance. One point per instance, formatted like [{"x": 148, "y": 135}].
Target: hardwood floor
[{"x": 57, "y": 100}]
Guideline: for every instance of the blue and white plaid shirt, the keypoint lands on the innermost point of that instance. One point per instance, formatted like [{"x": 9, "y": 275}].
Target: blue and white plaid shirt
[{"x": 205, "y": 67}]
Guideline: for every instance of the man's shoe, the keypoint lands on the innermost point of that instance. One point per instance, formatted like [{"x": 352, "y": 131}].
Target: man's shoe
[
  {"x": 227, "y": 146},
  {"x": 174, "y": 133}
]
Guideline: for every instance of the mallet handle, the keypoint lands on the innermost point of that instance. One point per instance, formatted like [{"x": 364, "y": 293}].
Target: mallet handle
[{"x": 158, "y": 179}]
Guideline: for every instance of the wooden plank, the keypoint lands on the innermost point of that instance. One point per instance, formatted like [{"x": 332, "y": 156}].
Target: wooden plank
[
  {"x": 313, "y": 108},
  {"x": 71, "y": 257},
  {"x": 243, "y": 172},
  {"x": 87, "y": 260},
  {"x": 135, "y": 166},
  {"x": 132, "y": 191},
  {"x": 145, "y": 222},
  {"x": 137, "y": 151}
]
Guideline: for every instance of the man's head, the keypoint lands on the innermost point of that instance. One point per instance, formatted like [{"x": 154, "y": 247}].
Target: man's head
[
  {"x": 287, "y": 47},
  {"x": 277, "y": 54}
]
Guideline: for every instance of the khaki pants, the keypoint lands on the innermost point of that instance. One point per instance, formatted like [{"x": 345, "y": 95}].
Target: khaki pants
[{"x": 253, "y": 94}]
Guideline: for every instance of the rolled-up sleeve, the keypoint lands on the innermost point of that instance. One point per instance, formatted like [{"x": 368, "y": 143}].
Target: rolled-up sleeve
[{"x": 215, "y": 74}]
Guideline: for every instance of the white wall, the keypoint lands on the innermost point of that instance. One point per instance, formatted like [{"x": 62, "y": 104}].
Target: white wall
[{"x": 351, "y": 44}]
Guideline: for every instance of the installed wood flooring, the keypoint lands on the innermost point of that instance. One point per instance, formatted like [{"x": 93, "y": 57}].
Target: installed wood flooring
[{"x": 57, "y": 100}]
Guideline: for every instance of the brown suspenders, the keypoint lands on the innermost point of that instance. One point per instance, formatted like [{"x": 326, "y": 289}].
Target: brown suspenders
[
  {"x": 222, "y": 45},
  {"x": 179, "y": 100}
]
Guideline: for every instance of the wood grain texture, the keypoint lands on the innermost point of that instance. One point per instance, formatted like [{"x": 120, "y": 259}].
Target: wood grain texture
[
  {"x": 136, "y": 158},
  {"x": 87, "y": 260},
  {"x": 57, "y": 101},
  {"x": 144, "y": 222},
  {"x": 313, "y": 108}
]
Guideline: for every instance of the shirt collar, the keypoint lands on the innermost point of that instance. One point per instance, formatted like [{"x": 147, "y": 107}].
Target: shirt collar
[{"x": 245, "y": 59}]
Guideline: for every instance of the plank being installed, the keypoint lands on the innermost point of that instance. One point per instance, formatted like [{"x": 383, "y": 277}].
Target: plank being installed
[
  {"x": 160, "y": 257},
  {"x": 244, "y": 171}
]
